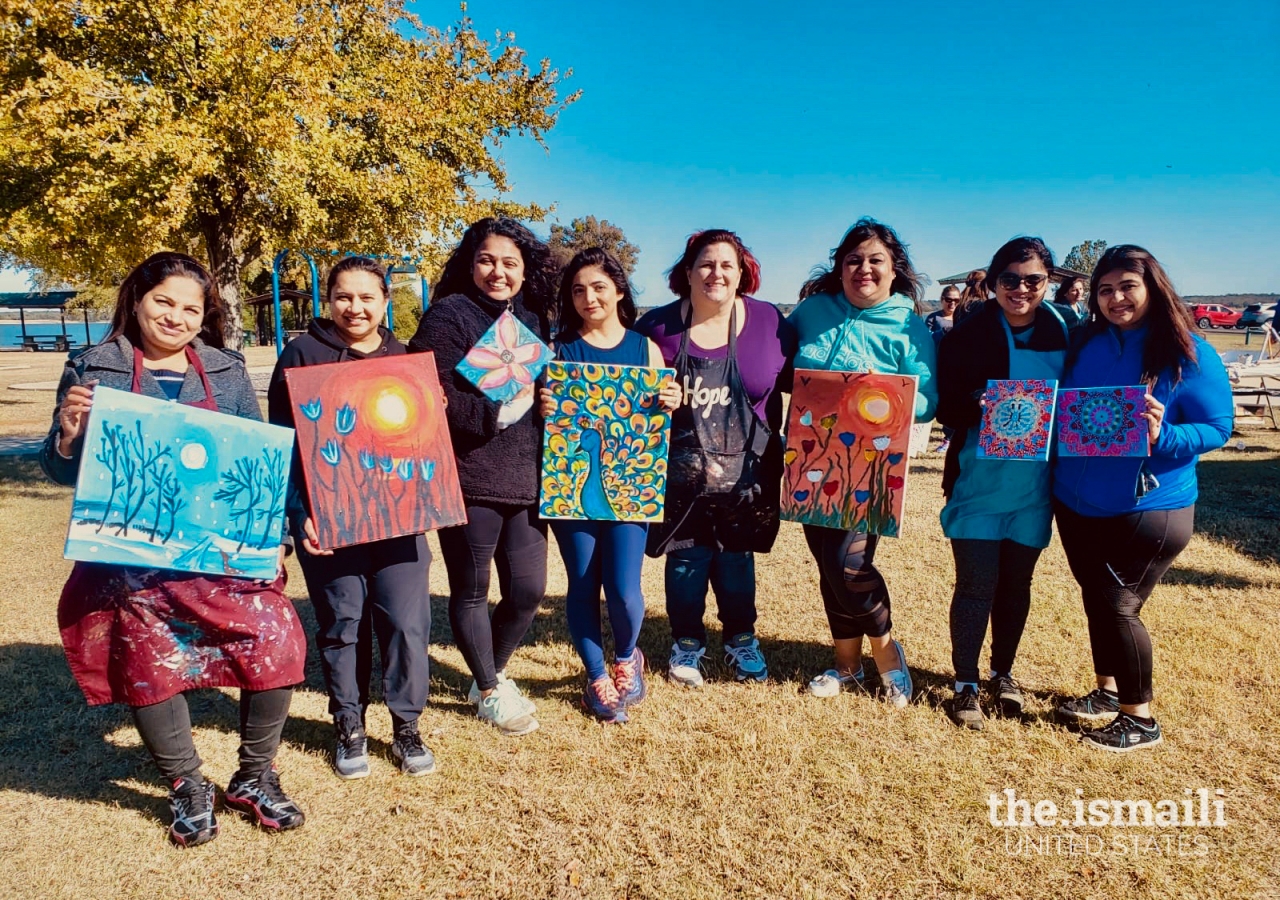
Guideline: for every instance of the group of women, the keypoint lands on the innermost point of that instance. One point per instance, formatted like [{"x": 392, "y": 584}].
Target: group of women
[{"x": 144, "y": 637}]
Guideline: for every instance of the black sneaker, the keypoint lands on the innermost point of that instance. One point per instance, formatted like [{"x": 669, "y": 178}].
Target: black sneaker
[
  {"x": 351, "y": 752},
  {"x": 965, "y": 710},
  {"x": 263, "y": 800},
  {"x": 414, "y": 757},
  {"x": 1096, "y": 706},
  {"x": 1124, "y": 734},
  {"x": 1007, "y": 695},
  {"x": 191, "y": 803}
]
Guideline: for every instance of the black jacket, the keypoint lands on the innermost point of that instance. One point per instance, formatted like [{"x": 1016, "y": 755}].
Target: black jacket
[
  {"x": 493, "y": 466},
  {"x": 975, "y": 351}
]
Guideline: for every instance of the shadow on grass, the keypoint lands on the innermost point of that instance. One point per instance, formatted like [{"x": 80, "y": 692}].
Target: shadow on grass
[
  {"x": 1198, "y": 578},
  {"x": 1239, "y": 499},
  {"x": 22, "y": 478}
]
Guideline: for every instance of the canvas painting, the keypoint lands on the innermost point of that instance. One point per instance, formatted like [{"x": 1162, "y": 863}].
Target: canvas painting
[
  {"x": 604, "y": 456},
  {"x": 1017, "y": 421},
  {"x": 506, "y": 360},
  {"x": 375, "y": 449},
  {"x": 167, "y": 486},
  {"x": 848, "y": 435},
  {"x": 1102, "y": 421}
]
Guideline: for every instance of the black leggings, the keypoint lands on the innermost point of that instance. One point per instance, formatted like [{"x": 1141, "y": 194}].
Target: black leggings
[
  {"x": 993, "y": 581},
  {"x": 515, "y": 539},
  {"x": 166, "y": 730},
  {"x": 1118, "y": 561},
  {"x": 853, "y": 590}
]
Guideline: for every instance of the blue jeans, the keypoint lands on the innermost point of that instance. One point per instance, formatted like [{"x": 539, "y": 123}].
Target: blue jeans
[
  {"x": 731, "y": 575},
  {"x": 608, "y": 555}
]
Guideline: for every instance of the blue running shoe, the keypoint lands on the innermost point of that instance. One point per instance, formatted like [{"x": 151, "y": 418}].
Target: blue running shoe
[
  {"x": 628, "y": 678},
  {"x": 602, "y": 701},
  {"x": 743, "y": 653}
]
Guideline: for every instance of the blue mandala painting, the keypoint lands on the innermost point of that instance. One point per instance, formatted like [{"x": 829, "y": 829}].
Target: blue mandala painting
[
  {"x": 1102, "y": 421},
  {"x": 1017, "y": 420}
]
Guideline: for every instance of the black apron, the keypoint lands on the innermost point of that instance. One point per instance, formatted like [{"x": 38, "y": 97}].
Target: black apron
[{"x": 722, "y": 489}]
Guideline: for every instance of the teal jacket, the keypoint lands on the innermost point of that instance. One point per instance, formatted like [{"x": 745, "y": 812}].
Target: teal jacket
[{"x": 888, "y": 338}]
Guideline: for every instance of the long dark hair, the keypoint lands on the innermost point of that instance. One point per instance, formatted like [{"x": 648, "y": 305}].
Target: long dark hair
[
  {"x": 1060, "y": 296},
  {"x": 538, "y": 291},
  {"x": 357, "y": 264},
  {"x": 151, "y": 272},
  {"x": 906, "y": 280},
  {"x": 1020, "y": 249},
  {"x": 1170, "y": 344},
  {"x": 975, "y": 290},
  {"x": 570, "y": 321},
  {"x": 748, "y": 265}
]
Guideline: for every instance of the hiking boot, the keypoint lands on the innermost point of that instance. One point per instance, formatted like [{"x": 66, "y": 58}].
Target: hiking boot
[
  {"x": 896, "y": 684},
  {"x": 351, "y": 751},
  {"x": 628, "y": 679},
  {"x": 506, "y": 713},
  {"x": 263, "y": 801},
  {"x": 1124, "y": 734},
  {"x": 602, "y": 700},
  {"x": 1098, "y": 705},
  {"x": 831, "y": 682},
  {"x": 965, "y": 709},
  {"x": 507, "y": 686},
  {"x": 191, "y": 804},
  {"x": 685, "y": 664},
  {"x": 743, "y": 653},
  {"x": 1007, "y": 694},
  {"x": 413, "y": 756}
]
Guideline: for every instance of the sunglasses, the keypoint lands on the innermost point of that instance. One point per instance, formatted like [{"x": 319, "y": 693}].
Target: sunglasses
[{"x": 1011, "y": 280}]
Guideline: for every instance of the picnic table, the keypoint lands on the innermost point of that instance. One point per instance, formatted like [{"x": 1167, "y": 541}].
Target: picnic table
[{"x": 32, "y": 342}]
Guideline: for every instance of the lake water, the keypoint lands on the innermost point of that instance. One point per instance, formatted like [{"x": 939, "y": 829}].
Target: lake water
[{"x": 11, "y": 332}]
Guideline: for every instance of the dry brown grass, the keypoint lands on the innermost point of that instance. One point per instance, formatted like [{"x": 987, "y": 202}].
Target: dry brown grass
[{"x": 732, "y": 791}]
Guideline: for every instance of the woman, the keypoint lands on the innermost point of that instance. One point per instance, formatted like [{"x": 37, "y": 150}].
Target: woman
[
  {"x": 1070, "y": 298},
  {"x": 858, "y": 316},
  {"x": 498, "y": 266},
  {"x": 723, "y": 484},
  {"x": 973, "y": 296},
  {"x": 940, "y": 321},
  {"x": 144, "y": 637},
  {"x": 379, "y": 586},
  {"x": 1124, "y": 520},
  {"x": 998, "y": 513},
  {"x": 597, "y": 311}
]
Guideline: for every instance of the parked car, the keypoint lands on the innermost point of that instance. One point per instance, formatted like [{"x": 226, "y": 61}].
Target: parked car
[
  {"x": 1215, "y": 315},
  {"x": 1256, "y": 315}
]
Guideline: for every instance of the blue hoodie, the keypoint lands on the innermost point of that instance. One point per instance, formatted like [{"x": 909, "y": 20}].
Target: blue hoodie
[
  {"x": 888, "y": 338},
  {"x": 1198, "y": 414}
]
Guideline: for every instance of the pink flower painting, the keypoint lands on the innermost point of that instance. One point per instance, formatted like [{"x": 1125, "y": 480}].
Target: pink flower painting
[{"x": 506, "y": 359}]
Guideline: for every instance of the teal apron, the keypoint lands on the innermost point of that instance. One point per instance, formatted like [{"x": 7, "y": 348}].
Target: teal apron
[{"x": 1006, "y": 499}]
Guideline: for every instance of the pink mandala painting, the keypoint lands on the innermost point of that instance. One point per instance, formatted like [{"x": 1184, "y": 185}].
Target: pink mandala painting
[
  {"x": 1102, "y": 421},
  {"x": 1017, "y": 421}
]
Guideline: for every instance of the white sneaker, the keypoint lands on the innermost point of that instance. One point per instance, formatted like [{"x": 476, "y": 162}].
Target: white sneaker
[
  {"x": 684, "y": 665},
  {"x": 505, "y": 686},
  {"x": 500, "y": 711},
  {"x": 897, "y": 683},
  {"x": 830, "y": 683}
]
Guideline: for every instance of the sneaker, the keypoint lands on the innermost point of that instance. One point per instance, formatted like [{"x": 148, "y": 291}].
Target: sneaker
[
  {"x": 506, "y": 713},
  {"x": 1007, "y": 694},
  {"x": 191, "y": 804},
  {"x": 263, "y": 801},
  {"x": 896, "y": 684},
  {"x": 413, "y": 756},
  {"x": 1096, "y": 706},
  {"x": 351, "y": 752},
  {"x": 965, "y": 709},
  {"x": 743, "y": 653},
  {"x": 628, "y": 679},
  {"x": 506, "y": 685},
  {"x": 685, "y": 665},
  {"x": 602, "y": 700},
  {"x": 831, "y": 682},
  {"x": 1124, "y": 734}
]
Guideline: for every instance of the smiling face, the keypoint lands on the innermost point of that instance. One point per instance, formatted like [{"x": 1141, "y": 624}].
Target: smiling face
[
  {"x": 1076, "y": 292},
  {"x": 950, "y": 297},
  {"x": 715, "y": 274},
  {"x": 866, "y": 274},
  {"x": 498, "y": 268},
  {"x": 357, "y": 304},
  {"x": 1122, "y": 299},
  {"x": 170, "y": 315},
  {"x": 595, "y": 296},
  {"x": 1019, "y": 302}
]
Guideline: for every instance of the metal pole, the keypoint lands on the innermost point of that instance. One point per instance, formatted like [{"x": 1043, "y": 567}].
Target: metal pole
[
  {"x": 88, "y": 338},
  {"x": 275, "y": 299}
]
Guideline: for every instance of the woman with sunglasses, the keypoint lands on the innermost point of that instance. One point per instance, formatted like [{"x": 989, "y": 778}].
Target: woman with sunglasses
[
  {"x": 1124, "y": 520},
  {"x": 998, "y": 514}
]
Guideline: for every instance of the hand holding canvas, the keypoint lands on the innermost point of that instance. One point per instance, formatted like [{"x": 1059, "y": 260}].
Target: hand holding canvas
[
  {"x": 73, "y": 415},
  {"x": 1154, "y": 414}
]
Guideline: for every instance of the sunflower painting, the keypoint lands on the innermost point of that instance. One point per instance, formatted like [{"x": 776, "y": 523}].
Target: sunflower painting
[{"x": 848, "y": 435}]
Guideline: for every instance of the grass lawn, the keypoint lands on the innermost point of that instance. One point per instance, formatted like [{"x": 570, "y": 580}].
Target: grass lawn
[{"x": 732, "y": 791}]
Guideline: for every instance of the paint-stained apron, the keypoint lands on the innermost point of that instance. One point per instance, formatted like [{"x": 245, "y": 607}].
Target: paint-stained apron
[{"x": 140, "y": 636}]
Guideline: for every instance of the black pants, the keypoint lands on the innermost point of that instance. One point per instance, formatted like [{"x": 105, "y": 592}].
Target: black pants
[
  {"x": 854, "y": 592},
  {"x": 993, "y": 581},
  {"x": 166, "y": 730},
  {"x": 359, "y": 592},
  {"x": 516, "y": 539},
  {"x": 1118, "y": 561}
]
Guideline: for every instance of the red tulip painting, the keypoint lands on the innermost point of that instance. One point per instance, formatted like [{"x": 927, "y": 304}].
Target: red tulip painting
[
  {"x": 375, "y": 449},
  {"x": 846, "y": 457}
]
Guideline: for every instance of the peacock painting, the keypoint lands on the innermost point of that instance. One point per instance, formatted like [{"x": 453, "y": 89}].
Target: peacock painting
[{"x": 605, "y": 453}]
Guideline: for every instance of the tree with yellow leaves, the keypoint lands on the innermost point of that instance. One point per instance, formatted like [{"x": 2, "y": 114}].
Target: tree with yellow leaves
[{"x": 238, "y": 129}]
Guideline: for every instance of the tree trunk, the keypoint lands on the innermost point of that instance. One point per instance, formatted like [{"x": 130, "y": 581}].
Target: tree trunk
[{"x": 226, "y": 262}]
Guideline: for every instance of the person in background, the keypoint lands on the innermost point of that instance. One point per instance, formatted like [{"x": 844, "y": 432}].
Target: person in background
[
  {"x": 1124, "y": 520},
  {"x": 940, "y": 320},
  {"x": 143, "y": 636},
  {"x": 973, "y": 296},
  {"x": 1071, "y": 299}
]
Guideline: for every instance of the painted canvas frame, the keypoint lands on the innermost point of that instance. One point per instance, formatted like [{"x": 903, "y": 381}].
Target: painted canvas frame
[
  {"x": 375, "y": 451},
  {"x": 1017, "y": 420},
  {"x": 848, "y": 437},
  {"x": 506, "y": 360},
  {"x": 168, "y": 486},
  {"x": 1102, "y": 421},
  {"x": 604, "y": 453}
]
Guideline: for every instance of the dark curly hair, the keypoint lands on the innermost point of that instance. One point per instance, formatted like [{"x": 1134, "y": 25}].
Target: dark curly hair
[
  {"x": 150, "y": 273},
  {"x": 748, "y": 265},
  {"x": 357, "y": 264},
  {"x": 538, "y": 291},
  {"x": 570, "y": 321},
  {"x": 906, "y": 280}
]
